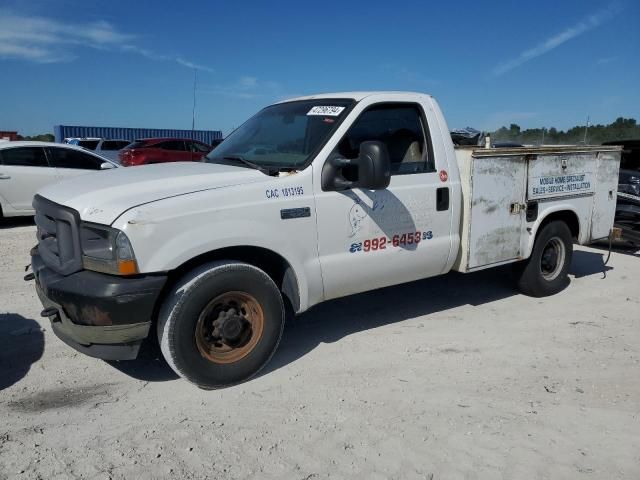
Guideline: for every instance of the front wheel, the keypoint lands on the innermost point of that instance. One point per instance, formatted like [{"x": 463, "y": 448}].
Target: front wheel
[
  {"x": 221, "y": 323},
  {"x": 546, "y": 271}
]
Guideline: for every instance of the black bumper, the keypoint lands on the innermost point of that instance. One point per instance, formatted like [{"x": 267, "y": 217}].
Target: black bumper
[{"x": 100, "y": 315}]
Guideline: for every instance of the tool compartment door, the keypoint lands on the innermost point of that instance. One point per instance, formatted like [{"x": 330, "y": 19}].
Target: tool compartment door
[
  {"x": 561, "y": 175},
  {"x": 605, "y": 197},
  {"x": 497, "y": 209}
]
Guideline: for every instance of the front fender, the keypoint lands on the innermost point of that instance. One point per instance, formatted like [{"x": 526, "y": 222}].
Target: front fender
[{"x": 165, "y": 238}]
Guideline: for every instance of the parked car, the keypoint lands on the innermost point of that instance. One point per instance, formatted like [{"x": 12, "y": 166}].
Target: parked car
[
  {"x": 105, "y": 147},
  {"x": 110, "y": 148},
  {"x": 161, "y": 150},
  {"x": 90, "y": 143},
  {"x": 311, "y": 199},
  {"x": 26, "y": 167},
  {"x": 628, "y": 204},
  {"x": 628, "y": 207}
]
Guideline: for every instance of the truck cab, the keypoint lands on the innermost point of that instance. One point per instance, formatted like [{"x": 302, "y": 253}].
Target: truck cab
[{"x": 311, "y": 199}]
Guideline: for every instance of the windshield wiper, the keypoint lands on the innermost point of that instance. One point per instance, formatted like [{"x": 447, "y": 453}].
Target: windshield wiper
[{"x": 263, "y": 168}]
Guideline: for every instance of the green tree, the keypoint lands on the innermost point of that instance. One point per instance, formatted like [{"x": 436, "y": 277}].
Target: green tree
[
  {"x": 620, "y": 129},
  {"x": 43, "y": 137}
]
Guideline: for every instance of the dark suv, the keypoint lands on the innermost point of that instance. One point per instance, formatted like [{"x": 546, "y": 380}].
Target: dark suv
[
  {"x": 160, "y": 150},
  {"x": 628, "y": 204}
]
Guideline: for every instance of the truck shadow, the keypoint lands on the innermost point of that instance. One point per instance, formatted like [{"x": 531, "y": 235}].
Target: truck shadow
[
  {"x": 334, "y": 320},
  {"x": 21, "y": 345},
  {"x": 622, "y": 249},
  {"x": 150, "y": 366},
  {"x": 12, "y": 222},
  {"x": 588, "y": 263},
  {"x": 337, "y": 319}
]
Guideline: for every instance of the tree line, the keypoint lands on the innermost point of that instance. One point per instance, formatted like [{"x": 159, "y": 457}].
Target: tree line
[
  {"x": 620, "y": 129},
  {"x": 43, "y": 137}
]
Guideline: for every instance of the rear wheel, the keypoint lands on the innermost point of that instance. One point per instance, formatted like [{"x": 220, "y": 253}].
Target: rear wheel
[
  {"x": 546, "y": 271},
  {"x": 221, "y": 324}
]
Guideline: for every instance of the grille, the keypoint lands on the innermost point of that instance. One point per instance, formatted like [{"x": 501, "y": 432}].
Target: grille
[{"x": 58, "y": 236}]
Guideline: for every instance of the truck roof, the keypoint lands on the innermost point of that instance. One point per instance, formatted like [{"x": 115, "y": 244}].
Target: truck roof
[{"x": 354, "y": 95}]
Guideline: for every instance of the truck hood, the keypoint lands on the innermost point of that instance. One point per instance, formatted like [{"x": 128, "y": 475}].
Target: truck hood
[{"x": 103, "y": 196}]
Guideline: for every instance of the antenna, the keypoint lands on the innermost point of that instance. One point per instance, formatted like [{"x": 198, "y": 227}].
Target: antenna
[
  {"x": 193, "y": 112},
  {"x": 586, "y": 128}
]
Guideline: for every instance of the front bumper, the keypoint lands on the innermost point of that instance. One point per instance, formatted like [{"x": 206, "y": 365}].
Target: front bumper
[{"x": 103, "y": 316}]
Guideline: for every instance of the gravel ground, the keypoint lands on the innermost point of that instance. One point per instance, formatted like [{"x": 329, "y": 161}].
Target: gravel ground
[{"x": 446, "y": 378}]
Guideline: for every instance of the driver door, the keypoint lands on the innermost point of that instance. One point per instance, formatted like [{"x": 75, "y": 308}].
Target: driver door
[{"x": 371, "y": 239}]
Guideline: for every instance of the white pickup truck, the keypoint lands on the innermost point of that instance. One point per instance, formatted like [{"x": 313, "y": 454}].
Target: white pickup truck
[{"x": 311, "y": 199}]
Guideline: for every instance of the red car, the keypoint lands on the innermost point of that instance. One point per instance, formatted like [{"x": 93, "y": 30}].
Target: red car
[{"x": 160, "y": 150}]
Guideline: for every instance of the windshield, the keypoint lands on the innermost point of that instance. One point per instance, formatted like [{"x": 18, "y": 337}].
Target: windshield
[{"x": 283, "y": 135}]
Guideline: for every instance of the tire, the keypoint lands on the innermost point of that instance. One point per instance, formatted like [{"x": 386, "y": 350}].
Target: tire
[
  {"x": 546, "y": 271},
  {"x": 247, "y": 308}
]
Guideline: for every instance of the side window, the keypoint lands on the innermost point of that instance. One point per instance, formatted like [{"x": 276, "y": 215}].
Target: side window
[
  {"x": 89, "y": 144},
  {"x": 199, "y": 147},
  {"x": 401, "y": 127},
  {"x": 176, "y": 145},
  {"x": 112, "y": 145},
  {"x": 24, "y": 157},
  {"x": 70, "y": 158}
]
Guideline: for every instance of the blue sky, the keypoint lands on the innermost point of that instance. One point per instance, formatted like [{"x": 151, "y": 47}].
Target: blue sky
[{"x": 130, "y": 63}]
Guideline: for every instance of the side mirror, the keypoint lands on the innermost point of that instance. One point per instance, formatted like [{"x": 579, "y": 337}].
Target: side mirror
[
  {"x": 372, "y": 169},
  {"x": 107, "y": 166}
]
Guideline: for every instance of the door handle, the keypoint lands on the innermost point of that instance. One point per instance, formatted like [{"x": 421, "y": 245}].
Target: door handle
[
  {"x": 4, "y": 177},
  {"x": 442, "y": 199}
]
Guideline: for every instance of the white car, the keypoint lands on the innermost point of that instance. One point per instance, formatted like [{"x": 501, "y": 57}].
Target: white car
[
  {"x": 90, "y": 143},
  {"x": 26, "y": 167},
  {"x": 105, "y": 147}
]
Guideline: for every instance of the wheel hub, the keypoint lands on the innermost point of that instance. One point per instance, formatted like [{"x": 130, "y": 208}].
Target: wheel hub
[
  {"x": 549, "y": 258},
  {"x": 552, "y": 259},
  {"x": 229, "y": 327}
]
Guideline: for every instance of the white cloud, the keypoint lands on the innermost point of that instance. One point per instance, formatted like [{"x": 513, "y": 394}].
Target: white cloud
[
  {"x": 45, "y": 40},
  {"x": 592, "y": 21},
  {"x": 31, "y": 53},
  {"x": 248, "y": 82},
  {"x": 245, "y": 87},
  {"x": 606, "y": 60},
  {"x": 195, "y": 66}
]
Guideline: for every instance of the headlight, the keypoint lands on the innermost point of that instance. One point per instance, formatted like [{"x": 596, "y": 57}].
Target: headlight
[{"x": 107, "y": 250}]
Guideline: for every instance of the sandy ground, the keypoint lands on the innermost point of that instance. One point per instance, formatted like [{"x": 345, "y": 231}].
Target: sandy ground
[{"x": 457, "y": 377}]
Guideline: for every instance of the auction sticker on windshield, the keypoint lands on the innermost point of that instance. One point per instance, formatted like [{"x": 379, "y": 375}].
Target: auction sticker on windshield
[{"x": 326, "y": 110}]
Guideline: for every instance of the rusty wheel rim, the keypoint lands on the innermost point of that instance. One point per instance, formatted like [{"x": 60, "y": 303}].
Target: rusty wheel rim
[{"x": 229, "y": 327}]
